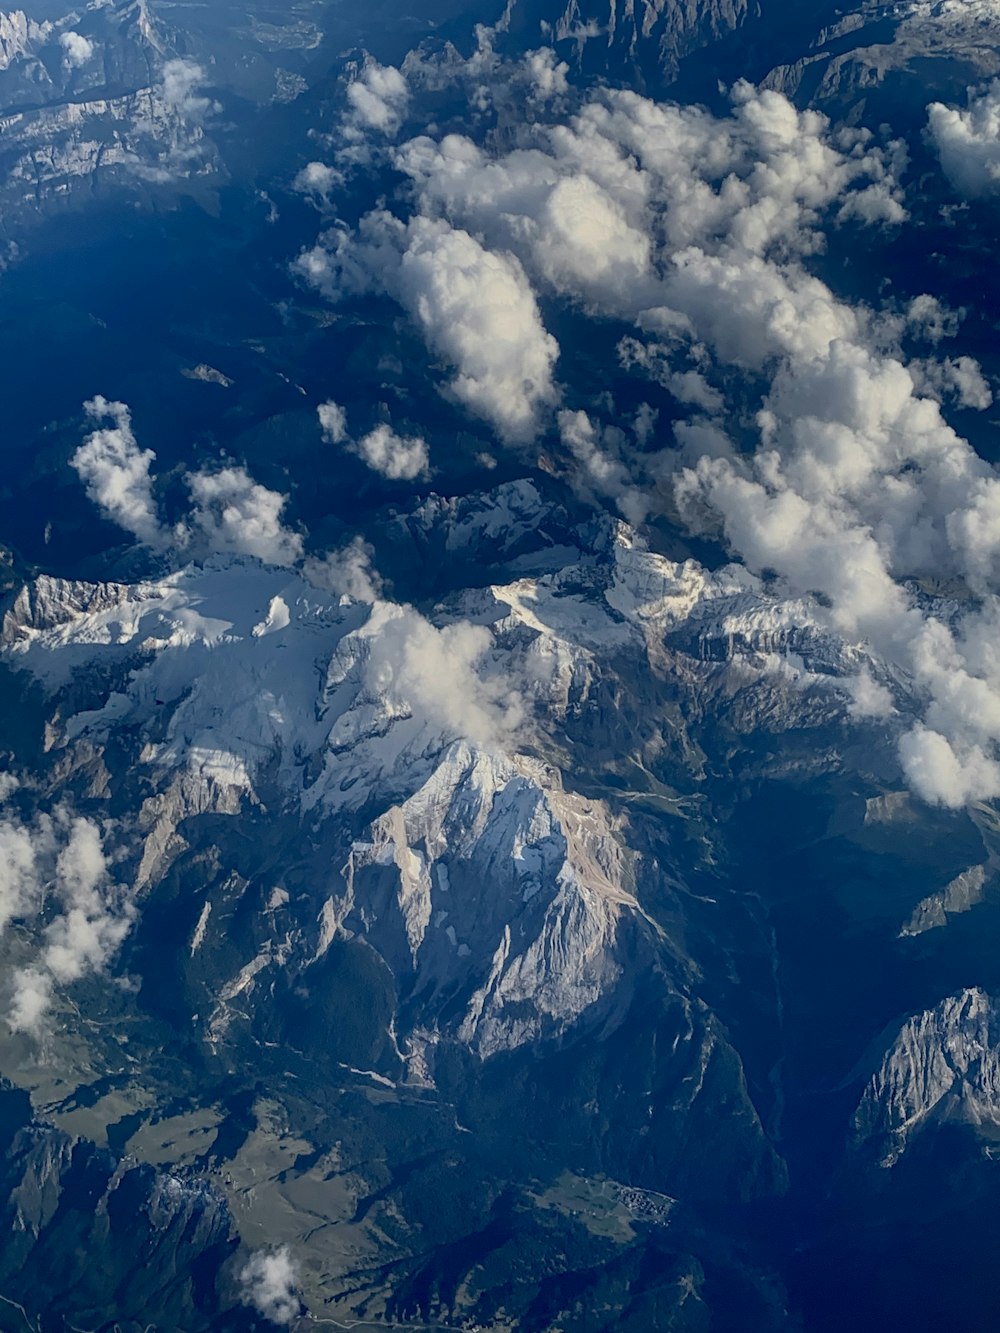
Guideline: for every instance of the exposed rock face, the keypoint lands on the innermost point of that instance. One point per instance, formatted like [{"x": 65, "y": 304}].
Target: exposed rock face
[
  {"x": 944, "y": 1065},
  {"x": 554, "y": 870},
  {"x": 960, "y": 895},
  {"x": 641, "y": 35},
  {"x": 945, "y": 45},
  {"x": 18, "y": 35},
  {"x": 62, "y": 1199}
]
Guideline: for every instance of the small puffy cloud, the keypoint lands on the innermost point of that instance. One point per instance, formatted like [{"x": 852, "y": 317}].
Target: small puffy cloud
[
  {"x": 968, "y": 142},
  {"x": 546, "y": 75},
  {"x": 442, "y": 675},
  {"x": 869, "y": 698},
  {"x": 333, "y": 422},
  {"x": 20, "y": 886},
  {"x": 116, "y": 473},
  {"x": 77, "y": 49},
  {"x": 30, "y": 1000},
  {"x": 943, "y": 774},
  {"x": 172, "y": 132},
  {"x": 396, "y": 457},
  {"x": 644, "y": 424},
  {"x": 346, "y": 573},
  {"x": 95, "y": 919},
  {"x": 233, "y": 514},
  {"x": 318, "y": 180},
  {"x": 929, "y": 318},
  {"x": 180, "y": 81},
  {"x": 960, "y": 379},
  {"x": 378, "y": 100},
  {"x": 269, "y": 1285}
]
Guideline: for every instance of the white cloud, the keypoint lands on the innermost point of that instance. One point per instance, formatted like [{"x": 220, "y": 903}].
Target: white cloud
[
  {"x": 397, "y": 457},
  {"x": 869, "y": 697},
  {"x": 116, "y": 474},
  {"x": 318, "y": 180},
  {"x": 546, "y": 74},
  {"x": 180, "y": 80},
  {"x": 30, "y": 1001},
  {"x": 968, "y": 142},
  {"x": 347, "y": 573},
  {"x": 960, "y": 379},
  {"x": 475, "y": 308},
  {"x": 929, "y": 318},
  {"x": 377, "y": 99},
  {"x": 95, "y": 916},
  {"x": 442, "y": 675},
  {"x": 20, "y": 886},
  {"x": 478, "y": 311},
  {"x": 602, "y": 470},
  {"x": 173, "y": 126},
  {"x": 77, "y": 49},
  {"x": 59, "y": 863},
  {"x": 269, "y": 1285},
  {"x": 233, "y": 514},
  {"x": 941, "y": 775},
  {"x": 333, "y": 422}
]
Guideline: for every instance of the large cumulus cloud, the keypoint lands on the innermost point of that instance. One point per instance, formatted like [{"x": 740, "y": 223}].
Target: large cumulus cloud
[
  {"x": 968, "y": 141},
  {"x": 474, "y": 306}
]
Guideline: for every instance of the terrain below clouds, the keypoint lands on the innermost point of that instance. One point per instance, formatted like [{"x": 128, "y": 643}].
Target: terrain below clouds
[{"x": 500, "y": 712}]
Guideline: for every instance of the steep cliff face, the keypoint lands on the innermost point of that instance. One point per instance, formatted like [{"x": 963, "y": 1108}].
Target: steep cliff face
[
  {"x": 944, "y": 1065},
  {"x": 62, "y": 1200},
  {"x": 648, "y": 38},
  {"x": 853, "y": 57}
]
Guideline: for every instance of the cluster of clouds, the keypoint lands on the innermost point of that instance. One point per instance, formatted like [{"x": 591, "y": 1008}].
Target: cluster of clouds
[
  {"x": 393, "y": 456},
  {"x": 626, "y": 209},
  {"x": 269, "y": 1285},
  {"x": 442, "y": 676},
  {"x": 55, "y": 881},
  {"x": 698, "y": 232},
  {"x": 230, "y": 512},
  {"x": 378, "y": 98}
]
